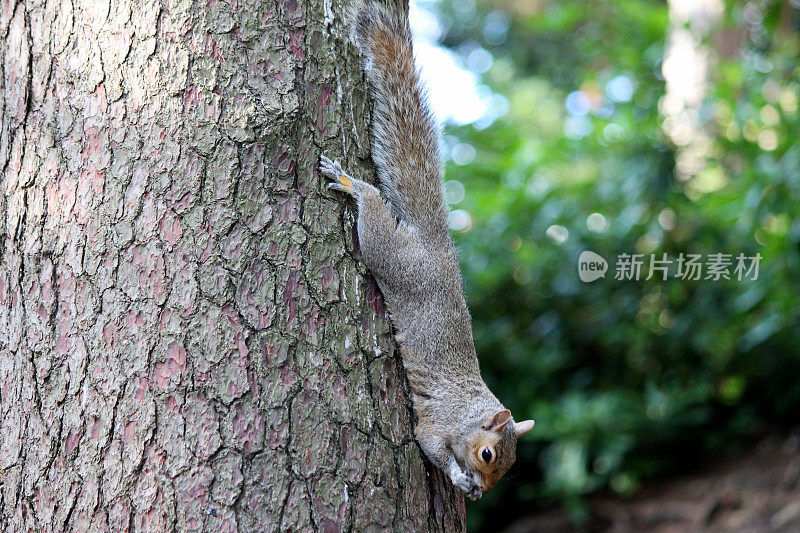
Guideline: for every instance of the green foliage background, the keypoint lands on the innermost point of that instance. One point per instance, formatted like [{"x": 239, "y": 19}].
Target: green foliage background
[{"x": 627, "y": 379}]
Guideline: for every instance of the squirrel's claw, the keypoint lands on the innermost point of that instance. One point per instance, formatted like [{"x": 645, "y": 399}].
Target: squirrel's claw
[
  {"x": 474, "y": 494},
  {"x": 334, "y": 171},
  {"x": 331, "y": 169},
  {"x": 475, "y": 490},
  {"x": 338, "y": 187},
  {"x": 467, "y": 483}
]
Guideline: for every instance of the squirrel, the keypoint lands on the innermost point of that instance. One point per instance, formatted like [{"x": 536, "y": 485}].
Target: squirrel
[{"x": 405, "y": 242}]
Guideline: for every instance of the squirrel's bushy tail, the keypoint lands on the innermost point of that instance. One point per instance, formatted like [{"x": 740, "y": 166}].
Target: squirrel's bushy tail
[{"x": 405, "y": 136}]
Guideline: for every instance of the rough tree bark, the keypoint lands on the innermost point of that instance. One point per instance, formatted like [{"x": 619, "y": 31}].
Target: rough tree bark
[{"x": 187, "y": 342}]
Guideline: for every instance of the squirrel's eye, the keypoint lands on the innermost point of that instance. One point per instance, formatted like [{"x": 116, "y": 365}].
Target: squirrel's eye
[{"x": 486, "y": 454}]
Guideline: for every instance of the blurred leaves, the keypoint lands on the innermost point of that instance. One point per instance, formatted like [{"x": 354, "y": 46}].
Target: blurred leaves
[{"x": 627, "y": 379}]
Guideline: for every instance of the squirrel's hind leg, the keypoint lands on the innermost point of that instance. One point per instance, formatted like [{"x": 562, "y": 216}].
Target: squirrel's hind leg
[{"x": 386, "y": 244}]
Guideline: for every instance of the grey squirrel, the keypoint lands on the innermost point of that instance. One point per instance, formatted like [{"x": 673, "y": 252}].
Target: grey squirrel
[{"x": 403, "y": 232}]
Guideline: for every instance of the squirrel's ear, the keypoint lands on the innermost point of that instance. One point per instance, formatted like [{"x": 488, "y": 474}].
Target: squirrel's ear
[
  {"x": 521, "y": 428},
  {"x": 497, "y": 421}
]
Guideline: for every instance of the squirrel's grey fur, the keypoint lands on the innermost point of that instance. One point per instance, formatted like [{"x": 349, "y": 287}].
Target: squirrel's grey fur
[{"x": 403, "y": 233}]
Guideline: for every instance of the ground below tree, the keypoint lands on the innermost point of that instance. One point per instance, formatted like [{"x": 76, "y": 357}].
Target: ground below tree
[{"x": 758, "y": 490}]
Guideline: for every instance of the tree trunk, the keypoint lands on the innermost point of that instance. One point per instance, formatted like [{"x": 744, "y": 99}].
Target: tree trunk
[{"x": 187, "y": 342}]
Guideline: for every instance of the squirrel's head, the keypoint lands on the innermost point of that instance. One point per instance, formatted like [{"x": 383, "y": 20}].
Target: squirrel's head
[{"x": 492, "y": 447}]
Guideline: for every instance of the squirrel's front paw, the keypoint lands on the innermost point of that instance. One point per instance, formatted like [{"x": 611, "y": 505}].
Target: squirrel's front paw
[
  {"x": 333, "y": 171},
  {"x": 468, "y": 483}
]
